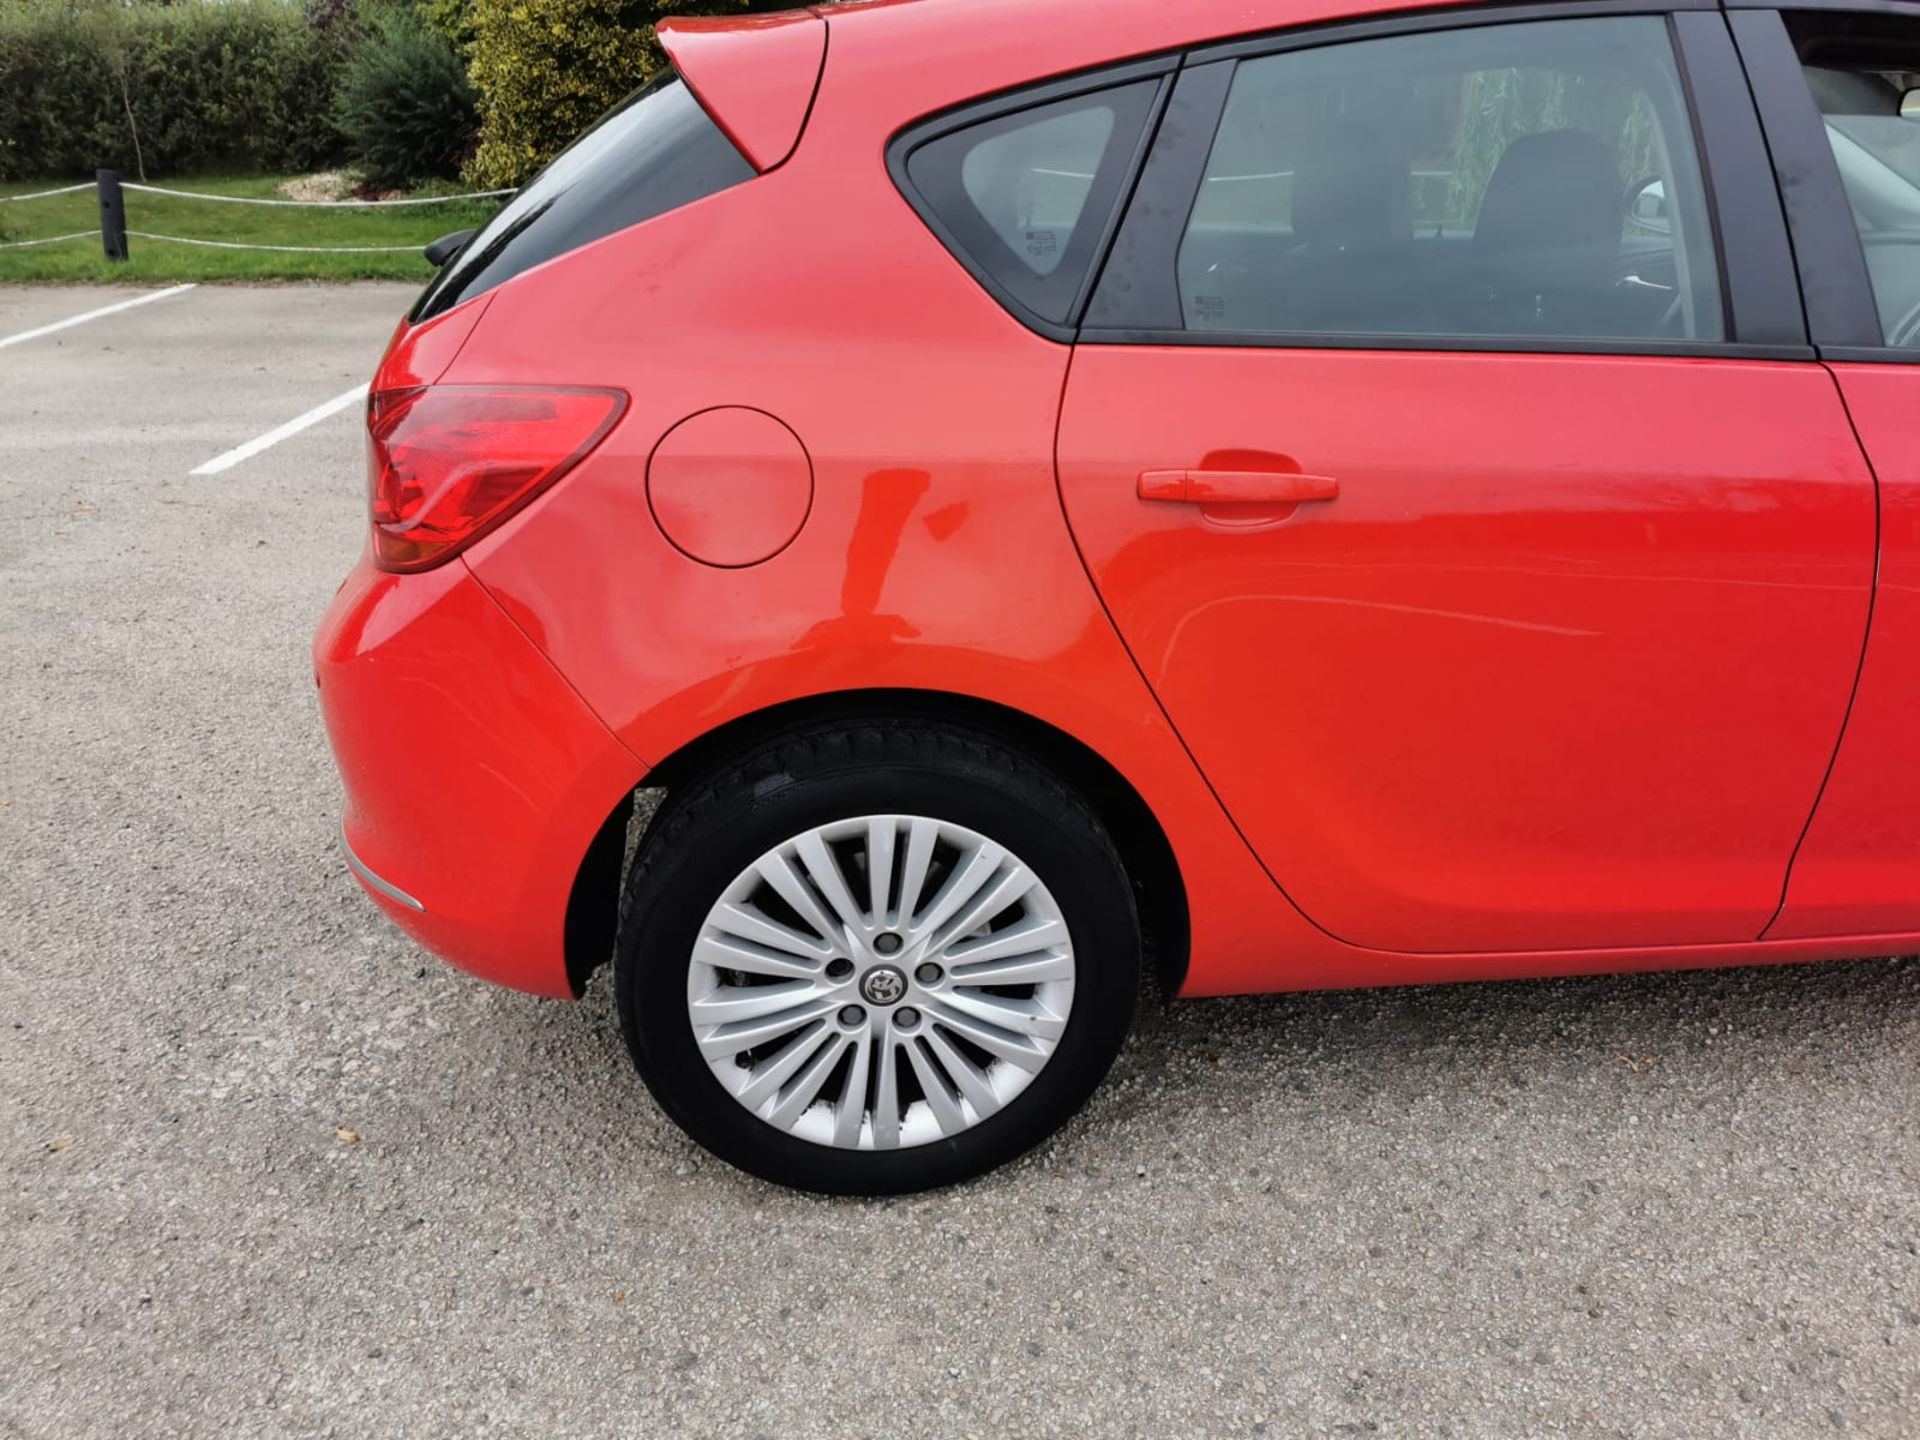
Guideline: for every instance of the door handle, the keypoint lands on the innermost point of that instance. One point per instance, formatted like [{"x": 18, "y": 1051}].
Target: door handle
[{"x": 1236, "y": 487}]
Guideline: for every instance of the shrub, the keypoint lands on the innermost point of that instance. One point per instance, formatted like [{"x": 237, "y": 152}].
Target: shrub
[
  {"x": 450, "y": 19},
  {"x": 547, "y": 69},
  {"x": 200, "y": 85},
  {"x": 405, "y": 105}
]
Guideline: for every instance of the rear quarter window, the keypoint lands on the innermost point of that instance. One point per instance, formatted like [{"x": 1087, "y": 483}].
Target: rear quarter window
[
  {"x": 654, "y": 152},
  {"x": 1024, "y": 197}
]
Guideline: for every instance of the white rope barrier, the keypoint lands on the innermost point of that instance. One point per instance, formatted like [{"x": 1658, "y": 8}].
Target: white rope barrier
[
  {"x": 242, "y": 200},
  {"x": 50, "y": 240},
  {"x": 285, "y": 249},
  {"x": 297, "y": 204},
  {"x": 43, "y": 194}
]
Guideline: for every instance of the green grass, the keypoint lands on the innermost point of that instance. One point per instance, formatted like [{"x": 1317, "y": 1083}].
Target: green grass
[{"x": 157, "y": 260}]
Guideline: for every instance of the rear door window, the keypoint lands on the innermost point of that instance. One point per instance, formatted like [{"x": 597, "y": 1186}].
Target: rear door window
[
  {"x": 654, "y": 152},
  {"x": 1024, "y": 198},
  {"x": 1534, "y": 179}
]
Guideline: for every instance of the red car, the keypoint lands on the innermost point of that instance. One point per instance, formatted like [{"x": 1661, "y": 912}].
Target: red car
[{"x": 1285, "y": 495}]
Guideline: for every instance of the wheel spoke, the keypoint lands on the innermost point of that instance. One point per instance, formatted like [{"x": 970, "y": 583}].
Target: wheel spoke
[
  {"x": 938, "y": 1090},
  {"x": 1019, "y": 970},
  {"x": 804, "y": 1088},
  {"x": 1017, "y": 1050},
  {"x": 880, "y": 837},
  {"x": 921, "y": 835},
  {"x": 723, "y": 1042},
  {"x": 773, "y": 1072},
  {"x": 1021, "y": 939},
  {"x": 1011, "y": 885},
  {"x": 886, "y": 1097},
  {"x": 747, "y": 924},
  {"x": 824, "y": 871},
  {"x": 729, "y": 1003},
  {"x": 730, "y": 953},
  {"x": 1020, "y": 1017},
  {"x": 778, "y": 872},
  {"x": 969, "y": 1077},
  {"x": 962, "y": 885},
  {"x": 851, "y": 1108}
]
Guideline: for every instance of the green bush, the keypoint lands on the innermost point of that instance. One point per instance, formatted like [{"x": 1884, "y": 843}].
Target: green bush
[
  {"x": 405, "y": 105},
  {"x": 168, "y": 89},
  {"x": 450, "y": 19},
  {"x": 547, "y": 69}
]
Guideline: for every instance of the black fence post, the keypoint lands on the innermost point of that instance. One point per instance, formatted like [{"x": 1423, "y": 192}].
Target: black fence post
[{"x": 113, "y": 214}]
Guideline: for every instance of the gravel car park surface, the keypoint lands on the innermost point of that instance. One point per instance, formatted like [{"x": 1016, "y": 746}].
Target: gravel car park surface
[{"x": 266, "y": 1169}]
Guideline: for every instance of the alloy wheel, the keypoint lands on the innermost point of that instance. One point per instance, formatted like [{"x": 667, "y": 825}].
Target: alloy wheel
[{"x": 881, "y": 982}]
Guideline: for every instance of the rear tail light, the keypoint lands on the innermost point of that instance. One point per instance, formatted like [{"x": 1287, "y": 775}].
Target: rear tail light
[{"x": 448, "y": 463}]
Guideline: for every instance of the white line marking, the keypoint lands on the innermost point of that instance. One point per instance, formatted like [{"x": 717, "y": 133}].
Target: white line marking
[
  {"x": 280, "y": 432},
  {"x": 148, "y": 298}
]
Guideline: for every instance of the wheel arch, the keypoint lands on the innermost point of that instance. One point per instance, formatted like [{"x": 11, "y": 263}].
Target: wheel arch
[{"x": 1159, "y": 889}]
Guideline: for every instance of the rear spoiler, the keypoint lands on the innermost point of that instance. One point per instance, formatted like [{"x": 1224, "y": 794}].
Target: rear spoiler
[{"x": 756, "y": 76}]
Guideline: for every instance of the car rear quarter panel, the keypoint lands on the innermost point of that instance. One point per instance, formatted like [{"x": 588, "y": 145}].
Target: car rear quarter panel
[{"x": 935, "y": 556}]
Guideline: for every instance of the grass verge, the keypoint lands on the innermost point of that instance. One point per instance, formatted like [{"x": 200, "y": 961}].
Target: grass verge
[{"x": 158, "y": 260}]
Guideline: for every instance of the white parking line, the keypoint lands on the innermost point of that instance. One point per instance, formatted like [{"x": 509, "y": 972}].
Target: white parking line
[
  {"x": 26, "y": 335},
  {"x": 280, "y": 432}
]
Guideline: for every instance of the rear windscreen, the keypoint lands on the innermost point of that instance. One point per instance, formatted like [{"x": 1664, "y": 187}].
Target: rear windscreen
[{"x": 655, "y": 152}]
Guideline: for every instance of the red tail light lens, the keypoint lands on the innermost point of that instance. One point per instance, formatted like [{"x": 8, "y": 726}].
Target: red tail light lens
[{"x": 448, "y": 463}]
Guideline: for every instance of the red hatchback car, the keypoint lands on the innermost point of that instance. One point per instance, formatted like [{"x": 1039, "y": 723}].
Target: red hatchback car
[{"x": 1296, "y": 492}]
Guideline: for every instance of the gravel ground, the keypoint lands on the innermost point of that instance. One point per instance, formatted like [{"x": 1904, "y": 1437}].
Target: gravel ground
[{"x": 266, "y": 1169}]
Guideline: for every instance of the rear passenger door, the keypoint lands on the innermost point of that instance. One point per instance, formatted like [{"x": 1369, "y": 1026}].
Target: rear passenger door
[
  {"x": 1460, "y": 476},
  {"x": 1831, "y": 85}
]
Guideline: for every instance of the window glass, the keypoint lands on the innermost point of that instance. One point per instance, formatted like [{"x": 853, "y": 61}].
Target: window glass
[
  {"x": 1027, "y": 196},
  {"x": 654, "y": 152},
  {"x": 1533, "y": 179},
  {"x": 1030, "y": 183},
  {"x": 1877, "y": 149}
]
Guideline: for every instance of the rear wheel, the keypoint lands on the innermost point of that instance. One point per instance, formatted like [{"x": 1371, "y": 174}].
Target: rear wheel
[{"x": 876, "y": 959}]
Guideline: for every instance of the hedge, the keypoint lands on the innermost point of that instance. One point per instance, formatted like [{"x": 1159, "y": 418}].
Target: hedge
[{"x": 171, "y": 89}]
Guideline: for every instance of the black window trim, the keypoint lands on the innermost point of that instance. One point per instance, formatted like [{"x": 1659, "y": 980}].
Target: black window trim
[
  {"x": 1841, "y": 315},
  {"x": 1759, "y": 290},
  {"x": 921, "y": 132}
]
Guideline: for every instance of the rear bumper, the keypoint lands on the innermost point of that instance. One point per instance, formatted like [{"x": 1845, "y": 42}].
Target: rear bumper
[{"x": 476, "y": 778}]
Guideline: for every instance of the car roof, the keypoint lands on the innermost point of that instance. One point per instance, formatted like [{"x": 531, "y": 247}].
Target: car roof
[
  {"x": 937, "y": 53},
  {"x": 1171, "y": 23}
]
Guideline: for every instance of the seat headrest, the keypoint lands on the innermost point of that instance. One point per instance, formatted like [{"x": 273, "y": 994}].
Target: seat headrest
[{"x": 1552, "y": 214}]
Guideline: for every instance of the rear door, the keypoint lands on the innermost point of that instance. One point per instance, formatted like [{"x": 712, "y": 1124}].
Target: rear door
[
  {"x": 1463, "y": 483},
  {"x": 1831, "y": 84}
]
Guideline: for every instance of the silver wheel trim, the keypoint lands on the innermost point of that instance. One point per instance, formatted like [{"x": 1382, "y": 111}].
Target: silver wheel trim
[{"x": 782, "y": 956}]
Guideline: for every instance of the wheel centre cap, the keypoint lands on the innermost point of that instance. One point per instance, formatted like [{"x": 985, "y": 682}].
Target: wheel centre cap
[{"x": 883, "y": 985}]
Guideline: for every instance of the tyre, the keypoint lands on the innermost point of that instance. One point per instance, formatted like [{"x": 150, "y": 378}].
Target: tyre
[{"x": 876, "y": 959}]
